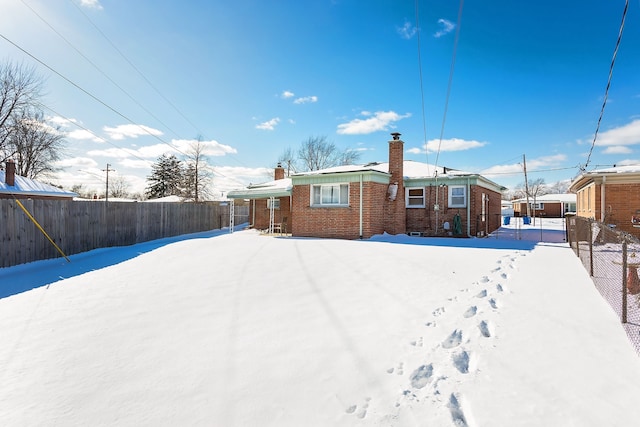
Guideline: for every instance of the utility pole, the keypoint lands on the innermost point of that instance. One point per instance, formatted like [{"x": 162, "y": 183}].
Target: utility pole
[
  {"x": 526, "y": 184},
  {"x": 107, "y": 170}
]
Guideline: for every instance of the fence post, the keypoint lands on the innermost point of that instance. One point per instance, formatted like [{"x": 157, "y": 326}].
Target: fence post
[
  {"x": 591, "y": 248},
  {"x": 624, "y": 281}
]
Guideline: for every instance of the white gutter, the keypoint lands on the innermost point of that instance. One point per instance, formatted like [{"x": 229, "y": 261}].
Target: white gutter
[
  {"x": 361, "y": 220},
  {"x": 603, "y": 204},
  {"x": 468, "y": 207}
]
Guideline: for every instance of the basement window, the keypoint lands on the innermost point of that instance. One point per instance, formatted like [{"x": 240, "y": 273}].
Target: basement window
[
  {"x": 330, "y": 195},
  {"x": 415, "y": 197},
  {"x": 457, "y": 196}
]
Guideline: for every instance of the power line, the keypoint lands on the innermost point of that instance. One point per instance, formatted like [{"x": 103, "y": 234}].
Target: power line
[
  {"x": 424, "y": 121},
  {"x": 606, "y": 92},
  {"x": 151, "y": 85},
  {"x": 449, "y": 84}
]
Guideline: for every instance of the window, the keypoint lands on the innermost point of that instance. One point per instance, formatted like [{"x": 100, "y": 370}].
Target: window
[
  {"x": 415, "y": 197},
  {"x": 330, "y": 195},
  {"x": 457, "y": 196},
  {"x": 276, "y": 204},
  {"x": 538, "y": 206}
]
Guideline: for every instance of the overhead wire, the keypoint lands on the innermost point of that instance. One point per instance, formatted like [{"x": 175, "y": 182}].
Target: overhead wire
[
  {"x": 450, "y": 82},
  {"x": 424, "y": 120},
  {"x": 100, "y": 101},
  {"x": 606, "y": 92},
  {"x": 97, "y": 68}
]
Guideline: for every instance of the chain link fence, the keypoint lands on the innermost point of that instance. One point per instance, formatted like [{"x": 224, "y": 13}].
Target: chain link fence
[{"x": 612, "y": 259}]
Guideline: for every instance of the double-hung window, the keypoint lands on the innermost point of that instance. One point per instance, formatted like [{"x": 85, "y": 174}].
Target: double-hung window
[
  {"x": 330, "y": 195},
  {"x": 276, "y": 203},
  {"x": 457, "y": 196},
  {"x": 415, "y": 197}
]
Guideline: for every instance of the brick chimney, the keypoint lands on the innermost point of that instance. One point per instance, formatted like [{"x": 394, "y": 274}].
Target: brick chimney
[
  {"x": 279, "y": 172},
  {"x": 10, "y": 173},
  {"x": 396, "y": 211}
]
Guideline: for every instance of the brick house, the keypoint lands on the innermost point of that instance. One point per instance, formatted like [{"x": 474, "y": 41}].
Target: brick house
[
  {"x": 398, "y": 197},
  {"x": 611, "y": 196},
  {"x": 548, "y": 205},
  {"x": 269, "y": 202},
  {"x": 14, "y": 186}
]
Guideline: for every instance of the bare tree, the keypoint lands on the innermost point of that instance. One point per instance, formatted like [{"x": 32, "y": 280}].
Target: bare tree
[
  {"x": 35, "y": 144},
  {"x": 317, "y": 153},
  {"x": 288, "y": 161},
  {"x": 20, "y": 89},
  {"x": 197, "y": 177},
  {"x": 119, "y": 187}
]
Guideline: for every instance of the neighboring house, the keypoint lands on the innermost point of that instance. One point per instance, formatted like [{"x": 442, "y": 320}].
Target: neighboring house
[
  {"x": 611, "y": 196},
  {"x": 14, "y": 186},
  {"x": 269, "y": 202},
  {"x": 548, "y": 205},
  {"x": 397, "y": 197}
]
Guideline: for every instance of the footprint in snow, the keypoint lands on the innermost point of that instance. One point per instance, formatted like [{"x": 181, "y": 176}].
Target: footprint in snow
[
  {"x": 499, "y": 288},
  {"x": 438, "y": 311},
  {"x": 482, "y": 293},
  {"x": 417, "y": 343},
  {"x": 486, "y": 329},
  {"x": 485, "y": 279},
  {"x": 461, "y": 361},
  {"x": 471, "y": 311},
  {"x": 494, "y": 303},
  {"x": 504, "y": 276},
  {"x": 421, "y": 376},
  {"x": 453, "y": 340},
  {"x": 457, "y": 415}
]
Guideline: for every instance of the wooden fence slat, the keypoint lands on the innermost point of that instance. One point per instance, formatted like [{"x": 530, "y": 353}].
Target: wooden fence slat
[{"x": 80, "y": 226}]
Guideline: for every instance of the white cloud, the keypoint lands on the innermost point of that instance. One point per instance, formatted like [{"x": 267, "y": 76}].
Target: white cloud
[
  {"x": 210, "y": 148},
  {"x": 61, "y": 121},
  {"x": 306, "y": 100},
  {"x": 407, "y": 31},
  {"x": 532, "y": 164},
  {"x": 82, "y": 135},
  {"x": 452, "y": 144},
  {"x": 93, "y": 4},
  {"x": 269, "y": 124},
  {"x": 287, "y": 94},
  {"x": 446, "y": 27},
  {"x": 78, "y": 163},
  {"x": 617, "y": 149},
  {"x": 130, "y": 131},
  {"x": 628, "y": 134},
  {"x": 380, "y": 120}
]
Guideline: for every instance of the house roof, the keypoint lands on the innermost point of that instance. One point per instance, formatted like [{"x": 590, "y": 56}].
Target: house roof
[
  {"x": 277, "y": 188},
  {"x": 550, "y": 198},
  {"x": 411, "y": 170},
  {"x": 618, "y": 173},
  {"x": 29, "y": 187}
]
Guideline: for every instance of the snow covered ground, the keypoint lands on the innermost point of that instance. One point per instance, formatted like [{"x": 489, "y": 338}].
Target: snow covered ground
[{"x": 219, "y": 329}]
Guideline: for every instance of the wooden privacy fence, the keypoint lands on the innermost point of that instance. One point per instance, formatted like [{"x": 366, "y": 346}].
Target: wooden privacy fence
[{"x": 80, "y": 226}]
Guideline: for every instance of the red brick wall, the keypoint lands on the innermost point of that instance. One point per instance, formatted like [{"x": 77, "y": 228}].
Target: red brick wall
[
  {"x": 340, "y": 222},
  {"x": 261, "y": 218},
  {"x": 423, "y": 220},
  {"x": 622, "y": 201}
]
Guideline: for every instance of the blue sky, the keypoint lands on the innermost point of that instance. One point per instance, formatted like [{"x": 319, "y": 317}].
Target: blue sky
[{"x": 253, "y": 78}]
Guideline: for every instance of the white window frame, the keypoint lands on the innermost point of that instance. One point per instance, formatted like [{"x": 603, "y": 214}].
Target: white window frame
[
  {"x": 538, "y": 206},
  {"x": 409, "y": 197},
  {"x": 320, "y": 194},
  {"x": 454, "y": 197},
  {"x": 276, "y": 203}
]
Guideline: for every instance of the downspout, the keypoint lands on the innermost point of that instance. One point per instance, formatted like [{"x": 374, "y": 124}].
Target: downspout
[
  {"x": 603, "y": 204},
  {"x": 253, "y": 214},
  {"x": 468, "y": 207},
  {"x": 361, "y": 210}
]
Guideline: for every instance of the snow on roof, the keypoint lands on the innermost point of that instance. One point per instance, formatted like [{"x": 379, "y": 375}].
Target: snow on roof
[
  {"x": 173, "y": 199},
  {"x": 616, "y": 169},
  {"x": 560, "y": 198},
  {"x": 30, "y": 187},
  {"x": 411, "y": 169},
  {"x": 277, "y": 188}
]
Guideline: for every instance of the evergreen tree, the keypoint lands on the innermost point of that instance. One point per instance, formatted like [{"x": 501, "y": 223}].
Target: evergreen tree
[{"x": 166, "y": 178}]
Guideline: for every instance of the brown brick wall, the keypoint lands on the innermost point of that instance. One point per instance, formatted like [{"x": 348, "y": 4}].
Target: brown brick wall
[
  {"x": 340, "y": 222},
  {"x": 622, "y": 201},
  {"x": 261, "y": 221}
]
